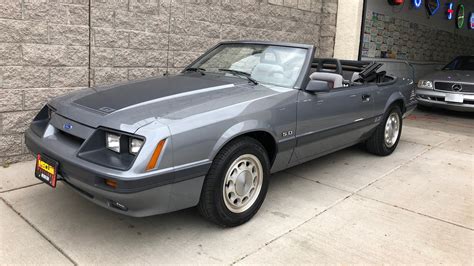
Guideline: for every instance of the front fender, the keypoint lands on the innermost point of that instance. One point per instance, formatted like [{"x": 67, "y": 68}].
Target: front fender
[{"x": 240, "y": 129}]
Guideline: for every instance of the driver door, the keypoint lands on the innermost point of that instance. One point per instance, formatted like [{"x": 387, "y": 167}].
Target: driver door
[{"x": 330, "y": 121}]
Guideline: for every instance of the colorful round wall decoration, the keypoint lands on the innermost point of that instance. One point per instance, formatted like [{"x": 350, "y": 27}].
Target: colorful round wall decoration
[
  {"x": 460, "y": 17},
  {"x": 417, "y": 3},
  {"x": 432, "y": 6}
]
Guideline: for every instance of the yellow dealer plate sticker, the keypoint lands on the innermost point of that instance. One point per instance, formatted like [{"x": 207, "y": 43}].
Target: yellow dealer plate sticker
[{"x": 46, "y": 170}]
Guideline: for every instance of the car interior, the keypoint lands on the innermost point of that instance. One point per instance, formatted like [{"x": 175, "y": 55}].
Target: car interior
[
  {"x": 346, "y": 73},
  {"x": 272, "y": 69},
  {"x": 269, "y": 69}
]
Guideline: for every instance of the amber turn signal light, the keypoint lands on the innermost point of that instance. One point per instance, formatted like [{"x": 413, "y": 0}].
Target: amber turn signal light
[
  {"x": 111, "y": 183},
  {"x": 156, "y": 154}
]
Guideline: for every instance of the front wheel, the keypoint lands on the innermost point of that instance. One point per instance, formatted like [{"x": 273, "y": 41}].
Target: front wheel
[
  {"x": 236, "y": 184},
  {"x": 385, "y": 138}
]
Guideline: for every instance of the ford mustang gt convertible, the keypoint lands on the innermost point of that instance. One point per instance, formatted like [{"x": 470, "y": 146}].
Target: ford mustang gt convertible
[{"x": 211, "y": 136}]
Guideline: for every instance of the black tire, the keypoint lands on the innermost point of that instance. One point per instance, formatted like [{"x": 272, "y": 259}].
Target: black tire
[
  {"x": 376, "y": 143},
  {"x": 211, "y": 204}
]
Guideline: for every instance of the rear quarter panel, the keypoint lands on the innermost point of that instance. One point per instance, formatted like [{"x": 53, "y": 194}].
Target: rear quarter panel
[{"x": 387, "y": 93}]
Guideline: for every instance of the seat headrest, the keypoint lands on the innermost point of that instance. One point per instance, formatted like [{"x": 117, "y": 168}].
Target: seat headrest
[
  {"x": 268, "y": 57},
  {"x": 334, "y": 79}
]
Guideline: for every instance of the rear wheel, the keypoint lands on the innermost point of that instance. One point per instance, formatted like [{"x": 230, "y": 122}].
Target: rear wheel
[
  {"x": 236, "y": 184},
  {"x": 385, "y": 138}
]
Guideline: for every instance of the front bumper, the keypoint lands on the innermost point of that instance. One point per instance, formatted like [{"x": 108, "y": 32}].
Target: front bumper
[
  {"x": 437, "y": 99},
  {"x": 156, "y": 193}
]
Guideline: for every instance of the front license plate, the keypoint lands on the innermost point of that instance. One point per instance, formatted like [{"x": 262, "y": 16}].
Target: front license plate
[
  {"x": 454, "y": 98},
  {"x": 46, "y": 170}
]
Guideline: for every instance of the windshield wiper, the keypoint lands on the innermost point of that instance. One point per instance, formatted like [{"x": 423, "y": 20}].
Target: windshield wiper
[
  {"x": 239, "y": 73},
  {"x": 196, "y": 69}
]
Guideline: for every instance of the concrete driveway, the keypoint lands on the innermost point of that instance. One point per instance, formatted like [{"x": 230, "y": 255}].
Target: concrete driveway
[{"x": 415, "y": 206}]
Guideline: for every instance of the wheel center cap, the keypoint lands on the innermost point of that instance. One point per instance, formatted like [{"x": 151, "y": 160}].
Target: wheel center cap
[{"x": 243, "y": 183}]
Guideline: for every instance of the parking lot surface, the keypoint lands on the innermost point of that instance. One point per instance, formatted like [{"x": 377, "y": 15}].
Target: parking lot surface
[{"x": 415, "y": 206}]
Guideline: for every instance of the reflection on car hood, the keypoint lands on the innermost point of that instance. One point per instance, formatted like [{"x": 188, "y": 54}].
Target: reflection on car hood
[
  {"x": 451, "y": 75},
  {"x": 129, "y": 106},
  {"x": 122, "y": 96}
]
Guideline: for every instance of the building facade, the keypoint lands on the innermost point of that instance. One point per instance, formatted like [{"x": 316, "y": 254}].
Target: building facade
[{"x": 51, "y": 47}]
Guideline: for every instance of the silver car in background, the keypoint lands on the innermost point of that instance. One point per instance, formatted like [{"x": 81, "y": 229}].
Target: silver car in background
[{"x": 450, "y": 88}]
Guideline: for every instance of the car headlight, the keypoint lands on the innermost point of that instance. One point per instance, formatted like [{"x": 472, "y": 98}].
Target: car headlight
[
  {"x": 111, "y": 148},
  {"x": 135, "y": 145},
  {"x": 112, "y": 142},
  {"x": 425, "y": 84}
]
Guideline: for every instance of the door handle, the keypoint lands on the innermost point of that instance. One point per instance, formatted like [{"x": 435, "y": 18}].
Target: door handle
[{"x": 365, "y": 97}]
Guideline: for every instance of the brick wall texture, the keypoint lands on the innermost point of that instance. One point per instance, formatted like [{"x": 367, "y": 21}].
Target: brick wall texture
[{"x": 51, "y": 47}]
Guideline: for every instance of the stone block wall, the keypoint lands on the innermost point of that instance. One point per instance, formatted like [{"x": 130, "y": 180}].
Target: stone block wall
[
  {"x": 51, "y": 47},
  {"x": 44, "y": 52}
]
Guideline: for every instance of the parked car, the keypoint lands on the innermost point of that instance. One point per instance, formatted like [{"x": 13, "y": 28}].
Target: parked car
[
  {"x": 450, "y": 88},
  {"x": 212, "y": 135}
]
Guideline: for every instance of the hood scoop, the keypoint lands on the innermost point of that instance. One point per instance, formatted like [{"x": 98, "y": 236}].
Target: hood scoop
[{"x": 122, "y": 96}]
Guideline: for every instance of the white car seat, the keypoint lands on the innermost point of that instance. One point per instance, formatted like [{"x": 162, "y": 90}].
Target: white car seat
[
  {"x": 334, "y": 80},
  {"x": 268, "y": 70}
]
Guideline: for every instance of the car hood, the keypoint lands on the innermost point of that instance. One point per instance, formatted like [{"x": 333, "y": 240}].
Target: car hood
[
  {"x": 131, "y": 105},
  {"x": 451, "y": 75}
]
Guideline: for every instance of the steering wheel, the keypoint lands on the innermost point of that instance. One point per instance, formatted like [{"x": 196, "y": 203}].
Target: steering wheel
[{"x": 334, "y": 61}]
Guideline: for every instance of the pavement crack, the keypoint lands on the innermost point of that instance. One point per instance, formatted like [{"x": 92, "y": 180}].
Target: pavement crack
[
  {"x": 419, "y": 213},
  {"x": 39, "y": 232},
  {"x": 316, "y": 181},
  {"x": 414, "y": 142},
  {"x": 27, "y": 186}
]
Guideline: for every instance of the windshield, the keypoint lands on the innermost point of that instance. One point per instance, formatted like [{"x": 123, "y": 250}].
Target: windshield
[
  {"x": 268, "y": 64},
  {"x": 461, "y": 63}
]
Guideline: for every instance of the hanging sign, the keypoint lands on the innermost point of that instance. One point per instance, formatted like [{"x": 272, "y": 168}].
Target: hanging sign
[
  {"x": 450, "y": 11},
  {"x": 460, "y": 17},
  {"x": 417, "y": 3},
  {"x": 432, "y": 6}
]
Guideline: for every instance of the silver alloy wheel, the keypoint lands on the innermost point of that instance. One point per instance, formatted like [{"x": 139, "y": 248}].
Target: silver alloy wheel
[
  {"x": 392, "y": 129},
  {"x": 243, "y": 183}
]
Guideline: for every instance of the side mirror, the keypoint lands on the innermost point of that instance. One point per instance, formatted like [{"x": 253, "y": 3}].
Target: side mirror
[{"x": 316, "y": 86}]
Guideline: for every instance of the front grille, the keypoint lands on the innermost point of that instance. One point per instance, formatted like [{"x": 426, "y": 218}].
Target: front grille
[
  {"x": 448, "y": 86},
  {"x": 76, "y": 141}
]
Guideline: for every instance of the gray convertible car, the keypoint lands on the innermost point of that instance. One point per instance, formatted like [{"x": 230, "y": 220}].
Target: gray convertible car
[
  {"x": 450, "y": 88},
  {"x": 212, "y": 135}
]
